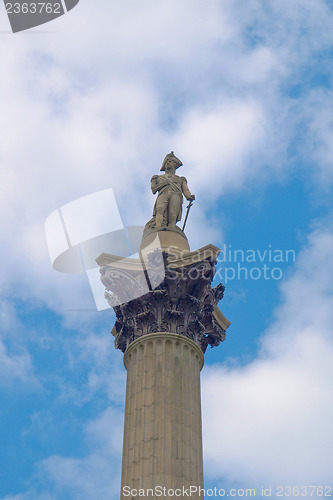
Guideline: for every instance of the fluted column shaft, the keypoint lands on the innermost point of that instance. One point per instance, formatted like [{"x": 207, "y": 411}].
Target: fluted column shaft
[{"x": 162, "y": 431}]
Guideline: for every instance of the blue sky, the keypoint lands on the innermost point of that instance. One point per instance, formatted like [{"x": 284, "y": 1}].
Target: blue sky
[{"x": 242, "y": 92}]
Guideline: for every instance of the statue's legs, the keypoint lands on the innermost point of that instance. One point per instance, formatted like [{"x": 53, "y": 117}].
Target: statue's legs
[
  {"x": 159, "y": 220},
  {"x": 161, "y": 206},
  {"x": 175, "y": 202}
]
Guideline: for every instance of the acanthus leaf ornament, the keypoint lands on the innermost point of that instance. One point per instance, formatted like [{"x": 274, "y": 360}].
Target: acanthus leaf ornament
[{"x": 183, "y": 303}]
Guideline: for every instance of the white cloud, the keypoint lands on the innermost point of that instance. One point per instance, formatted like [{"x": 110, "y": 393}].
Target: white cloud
[
  {"x": 270, "y": 421},
  {"x": 98, "y": 474},
  {"x": 317, "y": 142},
  {"x": 219, "y": 143},
  {"x": 14, "y": 367},
  {"x": 106, "y": 372},
  {"x": 15, "y": 360},
  {"x": 102, "y": 108},
  {"x": 8, "y": 318}
]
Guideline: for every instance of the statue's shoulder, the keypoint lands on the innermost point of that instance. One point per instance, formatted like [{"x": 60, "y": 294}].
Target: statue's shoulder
[
  {"x": 184, "y": 179},
  {"x": 155, "y": 177}
]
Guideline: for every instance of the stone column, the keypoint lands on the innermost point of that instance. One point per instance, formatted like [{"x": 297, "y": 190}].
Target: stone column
[
  {"x": 162, "y": 432},
  {"x": 164, "y": 330}
]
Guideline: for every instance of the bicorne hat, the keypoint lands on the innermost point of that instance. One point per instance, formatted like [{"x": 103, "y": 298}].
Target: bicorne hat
[{"x": 171, "y": 156}]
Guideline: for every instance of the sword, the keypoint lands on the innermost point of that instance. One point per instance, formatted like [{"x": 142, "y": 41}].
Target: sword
[{"x": 187, "y": 212}]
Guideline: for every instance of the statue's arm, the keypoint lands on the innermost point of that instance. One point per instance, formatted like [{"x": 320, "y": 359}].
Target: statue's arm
[
  {"x": 157, "y": 183},
  {"x": 186, "y": 191},
  {"x": 154, "y": 183}
]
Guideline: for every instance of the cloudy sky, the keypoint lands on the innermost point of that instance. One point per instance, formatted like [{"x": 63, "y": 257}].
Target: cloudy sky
[{"x": 243, "y": 93}]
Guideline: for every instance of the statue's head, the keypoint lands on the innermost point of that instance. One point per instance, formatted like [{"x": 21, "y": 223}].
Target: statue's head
[{"x": 171, "y": 160}]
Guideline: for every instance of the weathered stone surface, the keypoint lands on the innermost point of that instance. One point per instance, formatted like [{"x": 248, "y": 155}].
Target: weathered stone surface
[{"x": 183, "y": 303}]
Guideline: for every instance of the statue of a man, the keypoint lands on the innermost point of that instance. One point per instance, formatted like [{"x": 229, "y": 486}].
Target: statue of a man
[{"x": 170, "y": 188}]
